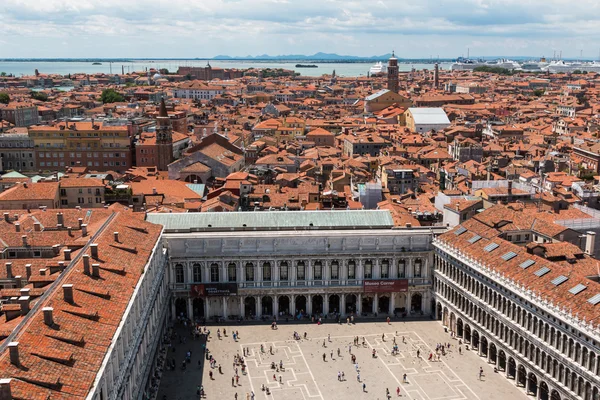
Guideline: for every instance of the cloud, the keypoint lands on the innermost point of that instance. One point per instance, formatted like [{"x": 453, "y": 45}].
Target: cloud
[{"x": 183, "y": 28}]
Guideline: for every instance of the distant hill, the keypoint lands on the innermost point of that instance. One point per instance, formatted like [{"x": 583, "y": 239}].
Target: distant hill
[{"x": 314, "y": 57}]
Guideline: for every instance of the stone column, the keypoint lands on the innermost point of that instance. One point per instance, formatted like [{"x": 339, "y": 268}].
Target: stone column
[
  {"x": 391, "y": 306},
  {"x": 309, "y": 274},
  {"x": 190, "y": 308},
  {"x": 275, "y": 306},
  {"x": 343, "y": 305},
  {"x": 376, "y": 268},
  {"x": 293, "y": 305},
  {"x": 173, "y": 309},
  {"x": 358, "y": 304},
  {"x": 376, "y": 303},
  {"x": 206, "y": 307},
  {"x": 224, "y": 301},
  {"x": 325, "y": 303},
  {"x": 258, "y": 306},
  {"x": 242, "y": 306},
  {"x": 309, "y": 304}
]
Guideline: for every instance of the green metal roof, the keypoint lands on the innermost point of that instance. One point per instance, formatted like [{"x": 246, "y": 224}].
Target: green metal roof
[
  {"x": 14, "y": 174},
  {"x": 273, "y": 220}
]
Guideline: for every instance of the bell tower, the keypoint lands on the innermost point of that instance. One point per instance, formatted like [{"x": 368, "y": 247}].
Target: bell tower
[
  {"x": 164, "y": 138},
  {"x": 392, "y": 71}
]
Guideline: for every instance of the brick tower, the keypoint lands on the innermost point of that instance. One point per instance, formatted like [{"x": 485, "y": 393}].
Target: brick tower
[
  {"x": 392, "y": 72},
  {"x": 164, "y": 138}
]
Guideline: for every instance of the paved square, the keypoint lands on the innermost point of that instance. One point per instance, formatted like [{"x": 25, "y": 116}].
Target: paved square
[{"x": 308, "y": 376}]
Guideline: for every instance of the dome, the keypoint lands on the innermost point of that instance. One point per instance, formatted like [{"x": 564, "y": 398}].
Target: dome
[{"x": 157, "y": 76}]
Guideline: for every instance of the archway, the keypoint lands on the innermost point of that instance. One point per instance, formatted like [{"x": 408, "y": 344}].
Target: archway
[
  {"x": 249, "y": 306},
  {"x": 267, "y": 305},
  {"x": 367, "y": 304},
  {"x": 193, "y": 177},
  {"x": 521, "y": 376},
  {"x": 416, "y": 302},
  {"x": 467, "y": 334},
  {"x": 459, "y": 328},
  {"x": 284, "y": 305},
  {"x": 493, "y": 353},
  {"x": 181, "y": 307},
  {"x": 533, "y": 385},
  {"x": 300, "y": 306},
  {"x": 483, "y": 349},
  {"x": 383, "y": 305},
  {"x": 334, "y": 304},
  {"x": 445, "y": 317},
  {"x": 198, "y": 305},
  {"x": 317, "y": 304},
  {"x": 544, "y": 391},
  {"x": 512, "y": 369},
  {"x": 501, "y": 360},
  {"x": 475, "y": 341},
  {"x": 439, "y": 312},
  {"x": 452, "y": 322},
  {"x": 554, "y": 395},
  {"x": 350, "y": 303}
]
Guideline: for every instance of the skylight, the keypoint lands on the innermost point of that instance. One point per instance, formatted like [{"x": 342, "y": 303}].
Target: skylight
[
  {"x": 542, "y": 271},
  {"x": 460, "y": 231},
  {"x": 491, "y": 247},
  {"x": 474, "y": 239},
  {"x": 560, "y": 279},
  {"x": 526, "y": 264},
  {"x": 577, "y": 289},
  {"x": 509, "y": 256}
]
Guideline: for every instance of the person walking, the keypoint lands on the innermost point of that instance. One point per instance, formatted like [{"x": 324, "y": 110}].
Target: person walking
[
  {"x": 233, "y": 381},
  {"x": 364, "y": 387},
  {"x": 339, "y": 376},
  {"x": 398, "y": 391}
]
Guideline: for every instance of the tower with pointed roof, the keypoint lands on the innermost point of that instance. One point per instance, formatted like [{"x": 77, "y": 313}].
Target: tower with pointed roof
[
  {"x": 164, "y": 138},
  {"x": 393, "y": 74}
]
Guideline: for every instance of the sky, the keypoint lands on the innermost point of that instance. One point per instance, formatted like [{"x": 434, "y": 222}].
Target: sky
[{"x": 206, "y": 28}]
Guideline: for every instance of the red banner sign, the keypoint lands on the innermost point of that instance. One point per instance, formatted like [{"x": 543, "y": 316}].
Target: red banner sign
[
  {"x": 385, "y": 285},
  {"x": 214, "y": 289}
]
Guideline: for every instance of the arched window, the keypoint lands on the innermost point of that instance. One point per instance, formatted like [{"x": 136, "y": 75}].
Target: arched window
[
  {"x": 197, "y": 272},
  {"x": 283, "y": 271},
  {"x": 214, "y": 272},
  {"x": 418, "y": 265},
  {"x": 266, "y": 271},
  {"x": 368, "y": 269},
  {"x": 300, "y": 272},
  {"x": 179, "y": 278},
  {"x": 249, "y": 272},
  {"x": 351, "y": 269},
  {"x": 385, "y": 269},
  {"x": 335, "y": 270},
  {"x": 318, "y": 270},
  {"x": 231, "y": 272},
  {"x": 401, "y": 268}
]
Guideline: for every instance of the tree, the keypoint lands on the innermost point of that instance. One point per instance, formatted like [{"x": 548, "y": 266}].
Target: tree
[
  {"x": 111, "y": 96},
  {"x": 538, "y": 92},
  {"x": 4, "y": 98},
  {"x": 163, "y": 71},
  {"x": 2, "y": 73},
  {"x": 41, "y": 96}
]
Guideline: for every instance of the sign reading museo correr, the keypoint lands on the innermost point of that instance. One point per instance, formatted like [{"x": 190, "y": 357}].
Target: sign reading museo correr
[
  {"x": 214, "y": 289},
  {"x": 385, "y": 285}
]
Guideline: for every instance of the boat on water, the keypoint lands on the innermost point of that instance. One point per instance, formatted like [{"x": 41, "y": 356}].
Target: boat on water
[
  {"x": 466, "y": 64},
  {"x": 566, "y": 67},
  {"x": 306, "y": 66},
  {"x": 378, "y": 68},
  {"x": 97, "y": 63}
]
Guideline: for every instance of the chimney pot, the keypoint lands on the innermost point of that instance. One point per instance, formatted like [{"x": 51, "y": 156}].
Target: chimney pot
[
  {"x": 37, "y": 226},
  {"x": 94, "y": 250},
  {"x": 68, "y": 293},
  {"x": 80, "y": 221},
  {"x": 70, "y": 230},
  {"x": 48, "y": 317},
  {"x": 19, "y": 281},
  {"x": 24, "y": 303},
  {"x": 86, "y": 264},
  {"x": 9, "y": 274},
  {"x": 116, "y": 235},
  {"x": 96, "y": 270},
  {"x": 67, "y": 253},
  {"x": 56, "y": 249},
  {"x": 5, "y": 392},
  {"x": 60, "y": 219},
  {"x": 13, "y": 348},
  {"x": 590, "y": 243},
  {"x": 24, "y": 237},
  {"x": 28, "y": 271},
  {"x": 17, "y": 227},
  {"x": 83, "y": 229},
  {"x": 24, "y": 291},
  {"x": 6, "y": 217},
  {"x": 43, "y": 271}
]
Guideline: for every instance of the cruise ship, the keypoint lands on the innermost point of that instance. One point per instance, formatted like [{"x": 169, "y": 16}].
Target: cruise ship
[
  {"x": 379, "y": 68},
  {"x": 465, "y": 64},
  {"x": 562, "y": 66}
]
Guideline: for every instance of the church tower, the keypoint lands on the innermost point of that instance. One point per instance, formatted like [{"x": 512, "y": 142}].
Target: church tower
[
  {"x": 164, "y": 138},
  {"x": 392, "y": 71}
]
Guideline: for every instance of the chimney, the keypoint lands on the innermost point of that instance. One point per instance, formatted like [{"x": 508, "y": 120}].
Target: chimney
[
  {"x": 43, "y": 271},
  {"x": 24, "y": 237},
  {"x": 94, "y": 250},
  {"x": 61, "y": 265},
  {"x": 116, "y": 235},
  {"x": 7, "y": 217},
  {"x": 510, "y": 188},
  {"x": 80, "y": 221},
  {"x": 56, "y": 249},
  {"x": 24, "y": 303},
  {"x": 67, "y": 253},
  {"x": 408, "y": 225},
  {"x": 9, "y": 274},
  {"x": 68, "y": 293},
  {"x": 70, "y": 230},
  {"x": 86, "y": 264},
  {"x": 590, "y": 243},
  {"x": 60, "y": 219},
  {"x": 48, "y": 318},
  {"x": 83, "y": 229},
  {"x": 28, "y": 271},
  {"x": 37, "y": 226},
  {"x": 96, "y": 270},
  {"x": 5, "y": 392},
  {"x": 17, "y": 227},
  {"x": 13, "y": 348},
  {"x": 24, "y": 291},
  {"x": 153, "y": 190},
  {"x": 19, "y": 281}
]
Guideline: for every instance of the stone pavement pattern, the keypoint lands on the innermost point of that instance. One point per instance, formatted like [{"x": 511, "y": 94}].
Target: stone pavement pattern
[{"x": 307, "y": 376}]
